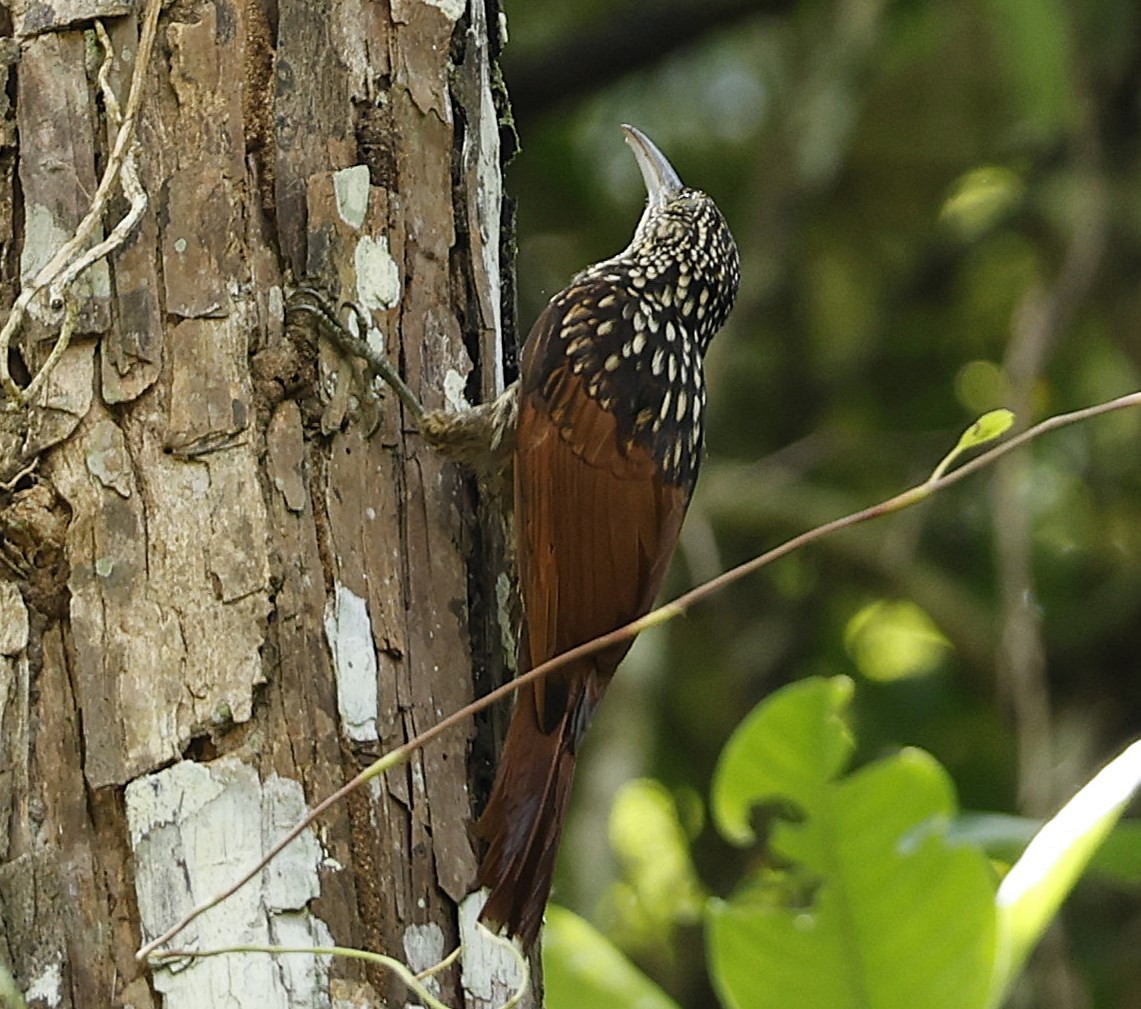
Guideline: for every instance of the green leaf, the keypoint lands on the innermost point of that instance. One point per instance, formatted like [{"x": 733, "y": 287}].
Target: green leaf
[
  {"x": 757, "y": 762},
  {"x": 870, "y": 906},
  {"x": 989, "y": 427},
  {"x": 1040, "y": 880},
  {"x": 583, "y": 970},
  {"x": 659, "y": 887},
  {"x": 980, "y": 198},
  {"x": 894, "y": 639}
]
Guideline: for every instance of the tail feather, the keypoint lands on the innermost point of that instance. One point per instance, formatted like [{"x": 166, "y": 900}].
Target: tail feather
[{"x": 524, "y": 817}]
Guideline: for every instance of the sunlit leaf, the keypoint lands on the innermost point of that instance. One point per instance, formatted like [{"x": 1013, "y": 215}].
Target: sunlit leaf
[
  {"x": 980, "y": 198},
  {"x": 989, "y": 427},
  {"x": 583, "y": 970},
  {"x": 894, "y": 639},
  {"x": 659, "y": 886},
  {"x": 1040, "y": 880},
  {"x": 865, "y": 902}
]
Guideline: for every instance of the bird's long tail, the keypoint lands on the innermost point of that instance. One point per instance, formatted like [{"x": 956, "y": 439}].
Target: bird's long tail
[{"x": 523, "y": 820}]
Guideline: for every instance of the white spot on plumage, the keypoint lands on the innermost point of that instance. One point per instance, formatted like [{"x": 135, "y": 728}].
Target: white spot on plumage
[
  {"x": 658, "y": 362},
  {"x": 673, "y": 367},
  {"x": 681, "y": 404},
  {"x": 665, "y": 411},
  {"x": 639, "y": 343},
  {"x": 606, "y": 328},
  {"x": 671, "y": 331},
  {"x": 612, "y": 362},
  {"x": 607, "y": 301}
]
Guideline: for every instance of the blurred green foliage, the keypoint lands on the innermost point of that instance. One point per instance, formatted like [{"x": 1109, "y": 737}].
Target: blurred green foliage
[
  {"x": 867, "y": 903},
  {"x": 864, "y": 891},
  {"x": 938, "y": 204}
]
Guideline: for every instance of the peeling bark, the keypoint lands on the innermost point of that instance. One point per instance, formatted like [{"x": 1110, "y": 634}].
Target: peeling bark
[{"x": 234, "y": 573}]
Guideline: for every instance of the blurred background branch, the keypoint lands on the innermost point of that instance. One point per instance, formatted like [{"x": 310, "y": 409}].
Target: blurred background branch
[{"x": 622, "y": 39}]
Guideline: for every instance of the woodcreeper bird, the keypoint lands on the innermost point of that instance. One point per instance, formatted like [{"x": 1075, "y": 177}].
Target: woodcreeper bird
[
  {"x": 604, "y": 434},
  {"x": 608, "y": 441}
]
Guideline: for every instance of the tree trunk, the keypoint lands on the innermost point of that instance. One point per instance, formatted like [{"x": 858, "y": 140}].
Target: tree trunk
[{"x": 235, "y": 574}]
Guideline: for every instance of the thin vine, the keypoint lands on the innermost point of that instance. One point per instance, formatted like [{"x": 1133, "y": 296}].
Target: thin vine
[{"x": 76, "y": 255}]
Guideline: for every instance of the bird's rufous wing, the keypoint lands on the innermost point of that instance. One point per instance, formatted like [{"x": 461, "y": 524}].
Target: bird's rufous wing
[{"x": 595, "y": 523}]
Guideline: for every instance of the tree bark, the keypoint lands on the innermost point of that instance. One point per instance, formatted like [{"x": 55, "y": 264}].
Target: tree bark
[{"x": 230, "y": 571}]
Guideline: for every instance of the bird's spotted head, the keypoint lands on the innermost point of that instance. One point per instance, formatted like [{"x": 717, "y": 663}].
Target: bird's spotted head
[
  {"x": 632, "y": 331},
  {"x": 682, "y": 235}
]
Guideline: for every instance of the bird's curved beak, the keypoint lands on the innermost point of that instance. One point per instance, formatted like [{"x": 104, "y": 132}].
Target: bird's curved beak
[{"x": 661, "y": 180}]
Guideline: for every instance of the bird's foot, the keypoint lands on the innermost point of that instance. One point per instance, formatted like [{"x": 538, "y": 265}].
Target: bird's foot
[
  {"x": 317, "y": 306},
  {"x": 482, "y": 436}
]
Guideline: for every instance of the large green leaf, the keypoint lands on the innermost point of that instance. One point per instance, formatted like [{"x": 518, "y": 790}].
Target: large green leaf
[
  {"x": 583, "y": 970},
  {"x": 864, "y": 902}
]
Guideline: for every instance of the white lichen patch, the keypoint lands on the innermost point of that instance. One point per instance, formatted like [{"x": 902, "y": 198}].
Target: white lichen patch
[
  {"x": 378, "y": 278},
  {"x": 158, "y": 800},
  {"x": 349, "y": 633},
  {"x": 47, "y": 985},
  {"x": 350, "y": 188},
  {"x": 454, "y": 386},
  {"x": 491, "y": 974},
  {"x": 378, "y": 344},
  {"x": 194, "y": 829},
  {"x": 424, "y": 948},
  {"x": 42, "y": 238},
  {"x": 453, "y": 9},
  {"x": 306, "y": 978},
  {"x": 289, "y": 883}
]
